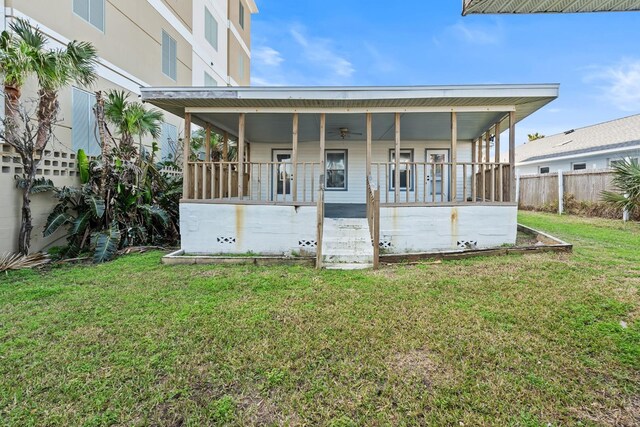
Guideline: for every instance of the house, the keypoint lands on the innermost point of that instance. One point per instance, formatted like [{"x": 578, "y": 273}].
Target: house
[
  {"x": 592, "y": 147},
  {"x": 470, "y": 7},
  {"x": 407, "y": 168},
  {"x": 140, "y": 43}
]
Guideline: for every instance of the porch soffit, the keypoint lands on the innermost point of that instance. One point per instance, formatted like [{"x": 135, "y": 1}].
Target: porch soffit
[{"x": 492, "y": 102}]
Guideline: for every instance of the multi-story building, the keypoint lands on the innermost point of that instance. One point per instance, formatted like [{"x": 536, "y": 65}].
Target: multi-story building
[{"x": 140, "y": 43}]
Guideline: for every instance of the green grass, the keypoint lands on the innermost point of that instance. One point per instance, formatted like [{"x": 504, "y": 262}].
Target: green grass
[{"x": 517, "y": 340}]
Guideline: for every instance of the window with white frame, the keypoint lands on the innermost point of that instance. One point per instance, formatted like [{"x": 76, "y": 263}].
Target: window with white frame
[
  {"x": 168, "y": 142},
  {"x": 578, "y": 166},
  {"x": 210, "y": 29},
  {"x": 544, "y": 169},
  {"x": 406, "y": 175},
  {"x": 83, "y": 122},
  {"x": 241, "y": 13},
  {"x": 91, "y": 11},
  {"x": 209, "y": 80},
  {"x": 336, "y": 169},
  {"x": 169, "y": 55}
]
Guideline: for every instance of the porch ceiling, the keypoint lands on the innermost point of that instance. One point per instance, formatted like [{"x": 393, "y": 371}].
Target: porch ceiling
[{"x": 425, "y": 108}]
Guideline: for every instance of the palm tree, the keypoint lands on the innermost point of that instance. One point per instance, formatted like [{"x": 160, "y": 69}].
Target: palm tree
[
  {"x": 23, "y": 53},
  {"x": 131, "y": 120},
  {"x": 627, "y": 181}
]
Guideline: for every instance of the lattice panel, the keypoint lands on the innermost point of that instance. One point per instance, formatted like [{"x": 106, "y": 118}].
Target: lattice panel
[
  {"x": 384, "y": 244},
  {"x": 305, "y": 244},
  {"x": 54, "y": 163},
  {"x": 226, "y": 240},
  {"x": 467, "y": 244}
]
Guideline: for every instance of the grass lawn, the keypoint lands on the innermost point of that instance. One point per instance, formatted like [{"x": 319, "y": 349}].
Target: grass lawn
[{"x": 517, "y": 340}]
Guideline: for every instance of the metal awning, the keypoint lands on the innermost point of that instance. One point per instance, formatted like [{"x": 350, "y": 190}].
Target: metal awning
[
  {"x": 426, "y": 109},
  {"x": 547, "y": 6}
]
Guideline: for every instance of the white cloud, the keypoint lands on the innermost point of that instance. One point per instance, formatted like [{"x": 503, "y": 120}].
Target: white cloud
[
  {"x": 267, "y": 56},
  {"x": 319, "y": 51},
  {"x": 619, "y": 83},
  {"x": 483, "y": 35}
]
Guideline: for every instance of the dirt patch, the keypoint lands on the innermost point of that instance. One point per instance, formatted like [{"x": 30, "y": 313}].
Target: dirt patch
[
  {"x": 422, "y": 364},
  {"x": 164, "y": 415},
  {"x": 627, "y": 414},
  {"x": 258, "y": 411}
]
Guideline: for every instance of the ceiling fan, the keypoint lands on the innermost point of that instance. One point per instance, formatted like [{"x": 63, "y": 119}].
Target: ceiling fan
[{"x": 344, "y": 132}]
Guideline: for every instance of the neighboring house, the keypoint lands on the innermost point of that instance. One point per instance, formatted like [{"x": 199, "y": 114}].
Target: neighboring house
[
  {"x": 305, "y": 151},
  {"x": 470, "y": 7},
  {"x": 140, "y": 43},
  {"x": 591, "y": 147}
]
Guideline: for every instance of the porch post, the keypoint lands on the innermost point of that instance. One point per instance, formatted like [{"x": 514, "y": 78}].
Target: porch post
[
  {"x": 479, "y": 157},
  {"x": 512, "y": 156},
  {"x": 323, "y": 127},
  {"x": 496, "y": 149},
  {"x": 454, "y": 156},
  {"x": 473, "y": 170},
  {"x": 207, "y": 144},
  {"x": 241, "y": 125},
  {"x": 225, "y": 147},
  {"x": 185, "y": 154},
  {"x": 396, "y": 187},
  {"x": 369, "y": 137},
  {"x": 294, "y": 157},
  {"x": 487, "y": 142}
]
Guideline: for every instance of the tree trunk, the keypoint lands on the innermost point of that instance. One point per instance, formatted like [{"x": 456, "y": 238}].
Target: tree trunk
[
  {"x": 47, "y": 109},
  {"x": 24, "y": 238},
  {"x": 12, "y": 93}
]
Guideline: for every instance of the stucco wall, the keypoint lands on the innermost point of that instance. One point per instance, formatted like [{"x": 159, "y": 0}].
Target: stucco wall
[
  {"x": 236, "y": 229},
  {"x": 420, "y": 229}
]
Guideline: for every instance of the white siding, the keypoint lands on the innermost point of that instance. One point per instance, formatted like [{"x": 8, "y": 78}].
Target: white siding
[
  {"x": 356, "y": 167},
  {"x": 593, "y": 162}
]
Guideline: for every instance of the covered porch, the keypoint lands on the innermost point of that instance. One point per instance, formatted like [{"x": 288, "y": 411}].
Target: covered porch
[{"x": 393, "y": 154}]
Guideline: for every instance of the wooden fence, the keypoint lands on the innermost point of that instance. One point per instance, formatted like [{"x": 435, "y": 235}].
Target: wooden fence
[{"x": 542, "y": 191}]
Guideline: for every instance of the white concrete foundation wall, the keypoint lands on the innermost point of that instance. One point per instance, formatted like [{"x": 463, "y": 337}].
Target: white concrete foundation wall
[
  {"x": 237, "y": 229},
  {"x": 424, "y": 229}
]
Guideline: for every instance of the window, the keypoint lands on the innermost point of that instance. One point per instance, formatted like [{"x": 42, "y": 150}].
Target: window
[
  {"x": 169, "y": 55},
  {"x": 241, "y": 13},
  {"x": 168, "y": 142},
  {"x": 208, "y": 80},
  {"x": 91, "y": 11},
  {"x": 83, "y": 122},
  {"x": 210, "y": 29},
  {"x": 612, "y": 163},
  {"x": 241, "y": 67},
  {"x": 336, "y": 169},
  {"x": 406, "y": 177},
  {"x": 544, "y": 169},
  {"x": 579, "y": 166}
]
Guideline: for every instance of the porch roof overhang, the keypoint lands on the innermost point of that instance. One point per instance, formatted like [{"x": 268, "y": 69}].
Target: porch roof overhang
[
  {"x": 547, "y": 6},
  {"x": 478, "y": 106}
]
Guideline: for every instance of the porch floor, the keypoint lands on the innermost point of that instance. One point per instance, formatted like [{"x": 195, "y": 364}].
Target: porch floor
[{"x": 345, "y": 210}]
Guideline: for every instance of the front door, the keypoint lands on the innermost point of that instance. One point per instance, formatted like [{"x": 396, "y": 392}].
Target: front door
[
  {"x": 281, "y": 175},
  {"x": 438, "y": 172}
]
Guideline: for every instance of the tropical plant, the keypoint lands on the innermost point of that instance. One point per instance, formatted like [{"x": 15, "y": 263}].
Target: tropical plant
[
  {"x": 19, "y": 261},
  {"x": 627, "y": 182},
  {"x": 138, "y": 209},
  {"x": 131, "y": 120},
  {"x": 534, "y": 136},
  {"x": 24, "y": 53}
]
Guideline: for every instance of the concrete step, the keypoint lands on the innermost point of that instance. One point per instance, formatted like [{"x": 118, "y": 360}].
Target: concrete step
[
  {"x": 347, "y": 259},
  {"x": 347, "y": 242}
]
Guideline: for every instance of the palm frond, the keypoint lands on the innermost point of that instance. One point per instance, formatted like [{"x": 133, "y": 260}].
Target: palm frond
[
  {"x": 42, "y": 185},
  {"x": 10, "y": 261}
]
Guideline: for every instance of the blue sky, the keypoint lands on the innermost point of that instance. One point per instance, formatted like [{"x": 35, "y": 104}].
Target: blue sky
[{"x": 595, "y": 57}]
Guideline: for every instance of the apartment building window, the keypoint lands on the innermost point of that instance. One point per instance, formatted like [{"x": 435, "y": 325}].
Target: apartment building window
[
  {"x": 83, "y": 122},
  {"x": 544, "y": 169},
  {"x": 210, "y": 29},
  {"x": 579, "y": 166},
  {"x": 168, "y": 142},
  {"x": 241, "y": 68},
  {"x": 169, "y": 55},
  {"x": 208, "y": 80},
  {"x": 241, "y": 13},
  {"x": 336, "y": 169},
  {"x": 91, "y": 11}
]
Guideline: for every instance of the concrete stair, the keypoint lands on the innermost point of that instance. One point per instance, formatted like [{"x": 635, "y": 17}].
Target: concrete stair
[{"x": 346, "y": 244}]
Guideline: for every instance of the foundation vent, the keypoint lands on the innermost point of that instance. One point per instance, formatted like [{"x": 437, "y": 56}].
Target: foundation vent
[
  {"x": 467, "y": 244},
  {"x": 226, "y": 240},
  {"x": 304, "y": 244}
]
